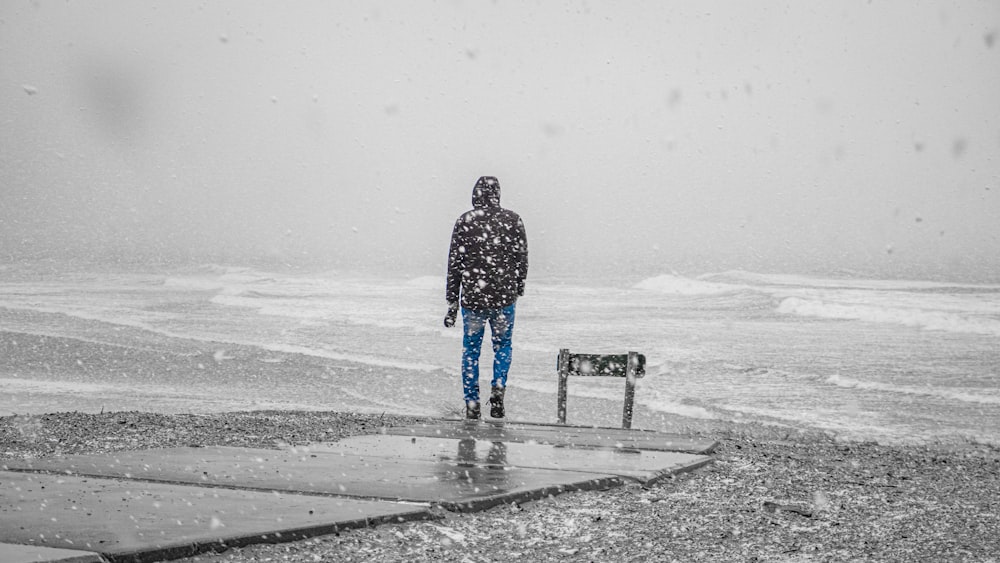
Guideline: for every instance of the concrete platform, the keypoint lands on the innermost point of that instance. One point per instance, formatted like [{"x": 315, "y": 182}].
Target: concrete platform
[
  {"x": 386, "y": 477},
  {"x": 558, "y": 435},
  {"x": 153, "y": 505},
  {"x": 143, "y": 521},
  {"x": 13, "y": 553}
]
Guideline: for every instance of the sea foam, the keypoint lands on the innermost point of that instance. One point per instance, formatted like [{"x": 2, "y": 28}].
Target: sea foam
[
  {"x": 678, "y": 285},
  {"x": 981, "y": 396},
  {"x": 920, "y": 318}
]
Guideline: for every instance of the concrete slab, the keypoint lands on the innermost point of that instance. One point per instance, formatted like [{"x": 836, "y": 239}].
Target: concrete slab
[
  {"x": 645, "y": 466},
  {"x": 12, "y": 553},
  {"x": 443, "y": 482},
  {"x": 144, "y": 521},
  {"x": 570, "y": 436},
  {"x": 160, "y": 504}
]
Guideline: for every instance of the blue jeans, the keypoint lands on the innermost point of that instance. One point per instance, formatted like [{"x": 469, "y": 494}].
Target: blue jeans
[{"x": 501, "y": 328}]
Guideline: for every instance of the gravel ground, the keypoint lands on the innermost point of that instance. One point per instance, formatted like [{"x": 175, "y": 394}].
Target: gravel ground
[{"x": 764, "y": 498}]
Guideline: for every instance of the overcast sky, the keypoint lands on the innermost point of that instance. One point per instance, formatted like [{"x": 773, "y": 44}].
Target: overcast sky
[{"x": 789, "y": 137}]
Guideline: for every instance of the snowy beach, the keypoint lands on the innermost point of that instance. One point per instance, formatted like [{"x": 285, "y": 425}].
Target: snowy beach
[{"x": 763, "y": 498}]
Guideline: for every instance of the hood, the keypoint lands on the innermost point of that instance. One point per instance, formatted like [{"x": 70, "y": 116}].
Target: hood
[{"x": 486, "y": 193}]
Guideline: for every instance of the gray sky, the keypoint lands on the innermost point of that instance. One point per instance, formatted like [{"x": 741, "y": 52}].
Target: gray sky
[{"x": 798, "y": 137}]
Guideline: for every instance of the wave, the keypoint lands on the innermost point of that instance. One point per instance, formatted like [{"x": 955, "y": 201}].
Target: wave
[
  {"x": 22, "y": 385},
  {"x": 947, "y": 321},
  {"x": 966, "y": 394},
  {"x": 354, "y": 358},
  {"x": 677, "y": 285},
  {"x": 117, "y": 318},
  {"x": 793, "y": 280},
  {"x": 963, "y": 396},
  {"x": 427, "y": 282},
  {"x": 194, "y": 283}
]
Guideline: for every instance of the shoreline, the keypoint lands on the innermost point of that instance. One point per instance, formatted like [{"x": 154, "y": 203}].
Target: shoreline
[
  {"x": 47, "y": 372},
  {"x": 762, "y": 498}
]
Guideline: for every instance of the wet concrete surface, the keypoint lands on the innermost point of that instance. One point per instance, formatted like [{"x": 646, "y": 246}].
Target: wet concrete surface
[
  {"x": 384, "y": 477},
  {"x": 14, "y": 553},
  {"x": 144, "y": 521},
  {"x": 559, "y": 435},
  {"x": 644, "y": 466},
  {"x": 150, "y": 505}
]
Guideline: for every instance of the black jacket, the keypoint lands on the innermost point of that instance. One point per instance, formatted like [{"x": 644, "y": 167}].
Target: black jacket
[{"x": 488, "y": 257}]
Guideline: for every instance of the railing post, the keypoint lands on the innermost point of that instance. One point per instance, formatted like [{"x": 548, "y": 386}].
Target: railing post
[
  {"x": 630, "y": 377},
  {"x": 563, "y": 381}
]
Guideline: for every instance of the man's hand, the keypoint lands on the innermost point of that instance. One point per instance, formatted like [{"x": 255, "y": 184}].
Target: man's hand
[{"x": 449, "y": 319}]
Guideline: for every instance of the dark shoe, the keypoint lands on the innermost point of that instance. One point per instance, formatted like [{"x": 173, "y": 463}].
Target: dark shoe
[
  {"x": 496, "y": 402},
  {"x": 472, "y": 410}
]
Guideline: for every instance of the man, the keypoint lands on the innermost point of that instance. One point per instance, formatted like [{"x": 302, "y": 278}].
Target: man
[{"x": 487, "y": 265}]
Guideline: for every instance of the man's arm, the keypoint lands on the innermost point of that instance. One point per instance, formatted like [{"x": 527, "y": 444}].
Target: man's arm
[
  {"x": 455, "y": 259},
  {"x": 522, "y": 256}
]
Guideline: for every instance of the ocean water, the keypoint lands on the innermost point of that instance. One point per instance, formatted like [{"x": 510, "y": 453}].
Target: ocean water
[{"x": 891, "y": 361}]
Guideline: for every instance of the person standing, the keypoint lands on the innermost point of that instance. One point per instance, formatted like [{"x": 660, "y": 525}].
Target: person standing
[{"x": 487, "y": 266}]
